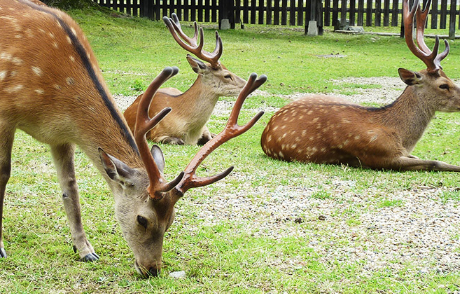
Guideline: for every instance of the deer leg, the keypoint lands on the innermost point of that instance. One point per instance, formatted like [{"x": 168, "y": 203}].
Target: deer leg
[
  {"x": 172, "y": 141},
  {"x": 63, "y": 156},
  {"x": 5, "y": 170},
  {"x": 205, "y": 136},
  {"x": 413, "y": 163}
]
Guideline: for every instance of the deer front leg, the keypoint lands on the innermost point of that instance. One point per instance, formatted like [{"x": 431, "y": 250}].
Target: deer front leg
[
  {"x": 413, "y": 163},
  {"x": 171, "y": 140},
  {"x": 205, "y": 136},
  {"x": 63, "y": 156},
  {"x": 6, "y": 145}
]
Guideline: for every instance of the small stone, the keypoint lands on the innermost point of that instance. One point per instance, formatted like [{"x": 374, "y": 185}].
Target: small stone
[{"x": 177, "y": 275}]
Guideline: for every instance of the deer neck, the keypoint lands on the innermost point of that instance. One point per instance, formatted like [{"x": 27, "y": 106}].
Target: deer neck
[
  {"x": 199, "y": 101},
  {"x": 103, "y": 126},
  {"x": 409, "y": 115}
]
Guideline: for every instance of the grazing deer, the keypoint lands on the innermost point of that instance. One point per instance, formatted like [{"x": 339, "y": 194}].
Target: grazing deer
[
  {"x": 324, "y": 129},
  {"x": 193, "y": 108},
  {"x": 51, "y": 88}
]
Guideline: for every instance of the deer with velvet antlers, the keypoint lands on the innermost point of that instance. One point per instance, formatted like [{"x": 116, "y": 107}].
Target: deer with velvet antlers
[
  {"x": 51, "y": 88},
  {"x": 192, "y": 109},
  {"x": 324, "y": 129}
]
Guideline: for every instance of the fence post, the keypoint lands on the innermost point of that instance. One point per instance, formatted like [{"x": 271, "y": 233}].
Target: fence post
[
  {"x": 226, "y": 15},
  {"x": 453, "y": 16},
  {"x": 314, "y": 15}
]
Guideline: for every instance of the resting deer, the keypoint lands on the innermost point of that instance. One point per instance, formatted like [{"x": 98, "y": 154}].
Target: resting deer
[
  {"x": 193, "y": 108},
  {"x": 51, "y": 88},
  {"x": 324, "y": 129}
]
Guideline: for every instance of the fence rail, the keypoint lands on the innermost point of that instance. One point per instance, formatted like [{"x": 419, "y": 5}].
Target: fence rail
[{"x": 444, "y": 13}]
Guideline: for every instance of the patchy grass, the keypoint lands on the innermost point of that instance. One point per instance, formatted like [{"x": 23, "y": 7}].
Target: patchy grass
[{"x": 270, "y": 226}]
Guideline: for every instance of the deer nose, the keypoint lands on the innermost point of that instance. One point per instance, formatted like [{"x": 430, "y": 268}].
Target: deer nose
[{"x": 154, "y": 272}]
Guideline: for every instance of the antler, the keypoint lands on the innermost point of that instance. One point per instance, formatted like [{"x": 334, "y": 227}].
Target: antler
[
  {"x": 231, "y": 130},
  {"x": 431, "y": 59},
  {"x": 190, "y": 44},
  {"x": 144, "y": 124}
]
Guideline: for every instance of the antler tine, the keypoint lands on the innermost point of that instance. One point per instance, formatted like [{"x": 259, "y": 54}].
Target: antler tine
[
  {"x": 431, "y": 58},
  {"x": 175, "y": 29},
  {"x": 231, "y": 130},
  {"x": 143, "y": 124}
]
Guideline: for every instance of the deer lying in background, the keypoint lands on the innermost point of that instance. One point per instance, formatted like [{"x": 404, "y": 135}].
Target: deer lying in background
[
  {"x": 330, "y": 130},
  {"x": 51, "y": 88},
  {"x": 192, "y": 109}
]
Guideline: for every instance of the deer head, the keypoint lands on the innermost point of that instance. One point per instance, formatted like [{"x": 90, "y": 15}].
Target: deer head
[
  {"x": 214, "y": 74},
  {"x": 145, "y": 206}
]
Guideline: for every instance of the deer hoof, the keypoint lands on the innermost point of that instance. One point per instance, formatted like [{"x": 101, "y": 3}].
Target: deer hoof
[
  {"x": 90, "y": 257},
  {"x": 173, "y": 141},
  {"x": 2, "y": 253}
]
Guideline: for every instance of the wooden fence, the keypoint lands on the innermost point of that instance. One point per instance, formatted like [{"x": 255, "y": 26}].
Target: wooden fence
[{"x": 337, "y": 13}]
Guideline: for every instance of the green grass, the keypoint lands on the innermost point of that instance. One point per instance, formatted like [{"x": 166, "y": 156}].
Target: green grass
[{"x": 225, "y": 248}]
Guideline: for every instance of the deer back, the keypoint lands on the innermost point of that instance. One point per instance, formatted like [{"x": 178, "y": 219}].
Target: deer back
[{"x": 60, "y": 99}]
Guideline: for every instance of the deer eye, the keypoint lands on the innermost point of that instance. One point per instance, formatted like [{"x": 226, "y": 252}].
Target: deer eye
[
  {"x": 142, "y": 221},
  {"x": 228, "y": 77},
  {"x": 444, "y": 86}
]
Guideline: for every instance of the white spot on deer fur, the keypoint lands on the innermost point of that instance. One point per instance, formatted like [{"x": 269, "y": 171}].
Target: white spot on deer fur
[
  {"x": 18, "y": 36},
  {"x": 37, "y": 70},
  {"x": 3, "y": 74},
  {"x": 281, "y": 154},
  {"x": 51, "y": 35},
  {"x": 16, "y": 61},
  {"x": 29, "y": 33},
  {"x": 55, "y": 45},
  {"x": 373, "y": 138},
  {"x": 293, "y": 146},
  {"x": 275, "y": 128},
  {"x": 72, "y": 58},
  {"x": 73, "y": 31},
  {"x": 310, "y": 112},
  {"x": 70, "y": 81},
  {"x": 311, "y": 138},
  {"x": 283, "y": 146},
  {"x": 69, "y": 40},
  {"x": 40, "y": 91},
  {"x": 57, "y": 87},
  {"x": 14, "y": 89},
  {"x": 357, "y": 137},
  {"x": 315, "y": 119},
  {"x": 304, "y": 133},
  {"x": 5, "y": 56}
]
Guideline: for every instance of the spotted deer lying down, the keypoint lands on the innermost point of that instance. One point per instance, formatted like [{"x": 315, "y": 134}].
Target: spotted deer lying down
[
  {"x": 52, "y": 89},
  {"x": 192, "y": 109},
  {"x": 325, "y": 129}
]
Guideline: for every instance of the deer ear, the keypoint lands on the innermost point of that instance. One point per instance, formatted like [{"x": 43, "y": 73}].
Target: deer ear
[
  {"x": 158, "y": 157},
  {"x": 116, "y": 169},
  {"x": 197, "y": 65},
  {"x": 409, "y": 77}
]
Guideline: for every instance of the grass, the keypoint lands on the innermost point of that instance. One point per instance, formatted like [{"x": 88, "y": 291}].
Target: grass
[{"x": 305, "y": 245}]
